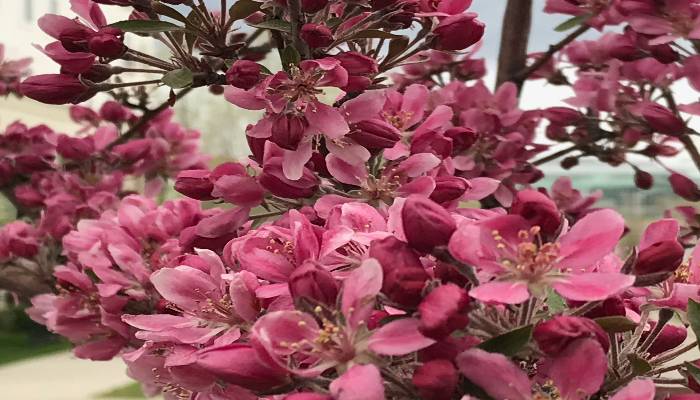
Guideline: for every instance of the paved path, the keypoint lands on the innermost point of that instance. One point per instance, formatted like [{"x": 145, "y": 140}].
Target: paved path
[{"x": 60, "y": 377}]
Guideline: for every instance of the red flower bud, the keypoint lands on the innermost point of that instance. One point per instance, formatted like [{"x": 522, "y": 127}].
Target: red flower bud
[
  {"x": 75, "y": 148},
  {"x": 564, "y": 116},
  {"x": 663, "y": 120},
  {"x": 244, "y": 74},
  {"x": 55, "y": 89},
  {"x": 684, "y": 187},
  {"x": 457, "y": 32},
  {"x": 554, "y": 335},
  {"x": 671, "y": 336},
  {"x": 288, "y": 130},
  {"x": 28, "y": 196},
  {"x": 443, "y": 311},
  {"x": 448, "y": 188},
  {"x": 538, "y": 209},
  {"x": 426, "y": 223},
  {"x": 643, "y": 179},
  {"x": 195, "y": 184},
  {"x": 436, "y": 380},
  {"x": 404, "y": 275},
  {"x": 107, "y": 43},
  {"x": 357, "y": 64},
  {"x": 133, "y": 151},
  {"x": 375, "y": 134},
  {"x": 314, "y": 283},
  {"x": 273, "y": 179},
  {"x": 316, "y": 35},
  {"x": 114, "y": 112},
  {"x": 663, "y": 256}
]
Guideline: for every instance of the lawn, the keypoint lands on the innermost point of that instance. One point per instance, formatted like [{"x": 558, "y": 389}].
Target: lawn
[{"x": 16, "y": 346}]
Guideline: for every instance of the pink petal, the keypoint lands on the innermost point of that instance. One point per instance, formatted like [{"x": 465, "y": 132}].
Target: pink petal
[
  {"x": 418, "y": 164},
  {"x": 659, "y": 231},
  {"x": 361, "y": 382},
  {"x": 593, "y": 286},
  {"x": 294, "y": 161},
  {"x": 89, "y": 11},
  {"x": 326, "y": 120},
  {"x": 501, "y": 292},
  {"x": 591, "y": 238},
  {"x": 565, "y": 369},
  {"x": 437, "y": 120},
  {"x": 638, "y": 389},
  {"x": 185, "y": 286},
  {"x": 344, "y": 172},
  {"x": 365, "y": 106},
  {"x": 398, "y": 338},
  {"x": 415, "y": 99},
  {"x": 481, "y": 188},
  {"x": 359, "y": 291},
  {"x": 495, "y": 374}
]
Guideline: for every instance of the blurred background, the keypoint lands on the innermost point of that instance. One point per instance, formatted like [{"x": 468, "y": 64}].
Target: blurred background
[{"x": 36, "y": 365}]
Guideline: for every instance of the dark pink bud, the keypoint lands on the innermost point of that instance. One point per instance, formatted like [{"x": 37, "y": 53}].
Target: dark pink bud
[
  {"x": 426, "y": 223},
  {"x": 314, "y": 283},
  {"x": 462, "y": 138},
  {"x": 404, "y": 275},
  {"x": 108, "y": 43},
  {"x": 114, "y": 112},
  {"x": 671, "y": 336},
  {"x": 643, "y": 179},
  {"x": 664, "y": 256},
  {"x": 538, "y": 209},
  {"x": 28, "y": 163},
  {"x": 448, "y": 188},
  {"x": 443, "y": 311},
  {"x": 663, "y": 120},
  {"x": 75, "y": 148},
  {"x": 357, "y": 64},
  {"x": 133, "y": 151},
  {"x": 244, "y": 74},
  {"x": 195, "y": 183},
  {"x": 239, "y": 189},
  {"x": 375, "y": 134},
  {"x": 472, "y": 69},
  {"x": 457, "y": 32},
  {"x": 612, "y": 306},
  {"x": 313, "y": 6},
  {"x": 316, "y": 35},
  {"x": 55, "y": 89},
  {"x": 562, "y": 115},
  {"x": 273, "y": 179},
  {"x": 554, "y": 335},
  {"x": 28, "y": 196},
  {"x": 81, "y": 114},
  {"x": 242, "y": 365},
  {"x": 436, "y": 380},
  {"x": 288, "y": 130},
  {"x": 684, "y": 187},
  {"x": 20, "y": 238}
]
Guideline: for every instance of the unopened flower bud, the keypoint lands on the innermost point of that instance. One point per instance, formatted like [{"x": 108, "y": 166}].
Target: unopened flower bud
[
  {"x": 316, "y": 35},
  {"x": 671, "y": 336},
  {"x": 643, "y": 179},
  {"x": 375, "y": 134},
  {"x": 663, "y": 120},
  {"x": 457, "y": 32},
  {"x": 443, "y": 311},
  {"x": 54, "y": 89},
  {"x": 195, "y": 183},
  {"x": 448, "y": 188},
  {"x": 569, "y": 162},
  {"x": 108, "y": 43},
  {"x": 244, "y": 74},
  {"x": 664, "y": 256},
  {"x": 313, "y": 6},
  {"x": 75, "y": 148},
  {"x": 404, "y": 275},
  {"x": 564, "y": 116},
  {"x": 436, "y": 380},
  {"x": 554, "y": 335},
  {"x": 426, "y": 223},
  {"x": 288, "y": 130},
  {"x": 314, "y": 283},
  {"x": 537, "y": 209},
  {"x": 684, "y": 187}
]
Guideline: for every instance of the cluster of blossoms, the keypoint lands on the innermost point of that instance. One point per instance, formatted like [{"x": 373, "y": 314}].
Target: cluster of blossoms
[
  {"x": 382, "y": 241},
  {"x": 54, "y": 180}
]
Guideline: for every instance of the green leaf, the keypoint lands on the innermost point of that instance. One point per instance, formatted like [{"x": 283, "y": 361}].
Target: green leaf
[
  {"x": 509, "y": 343},
  {"x": 169, "y": 12},
  {"x": 146, "y": 26},
  {"x": 242, "y": 9},
  {"x": 555, "y": 303},
  {"x": 179, "y": 78},
  {"x": 694, "y": 316},
  {"x": 374, "y": 34},
  {"x": 290, "y": 56},
  {"x": 572, "y": 23},
  {"x": 274, "y": 24},
  {"x": 616, "y": 324},
  {"x": 639, "y": 365}
]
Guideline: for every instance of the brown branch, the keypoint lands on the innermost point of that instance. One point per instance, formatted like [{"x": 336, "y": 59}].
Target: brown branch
[
  {"x": 544, "y": 58},
  {"x": 554, "y": 156},
  {"x": 515, "y": 36},
  {"x": 135, "y": 130},
  {"x": 296, "y": 21}
]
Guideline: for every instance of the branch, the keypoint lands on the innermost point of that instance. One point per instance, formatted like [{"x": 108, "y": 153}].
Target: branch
[
  {"x": 515, "y": 35},
  {"x": 544, "y": 58},
  {"x": 554, "y": 156},
  {"x": 295, "y": 19},
  {"x": 145, "y": 118}
]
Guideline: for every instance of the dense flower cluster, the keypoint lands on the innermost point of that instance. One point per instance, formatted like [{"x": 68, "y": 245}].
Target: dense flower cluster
[
  {"x": 54, "y": 180},
  {"x": 383, "y": 241}
]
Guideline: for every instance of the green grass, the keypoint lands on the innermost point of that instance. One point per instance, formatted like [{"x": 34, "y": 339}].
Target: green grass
[
  {"x": 19, "y": 346},
  {"x": 130, "y": 391}
]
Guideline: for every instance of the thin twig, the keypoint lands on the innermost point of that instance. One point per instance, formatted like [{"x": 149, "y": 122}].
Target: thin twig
[{"x": 515, "y": 35}]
